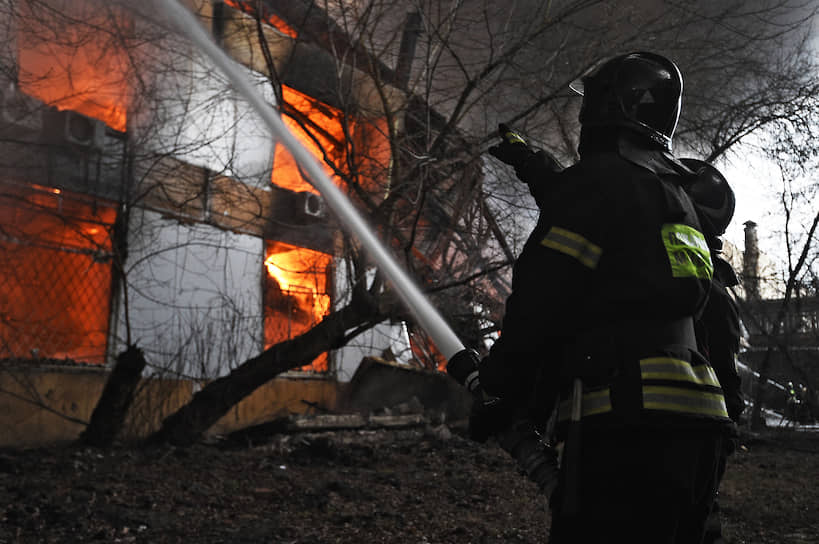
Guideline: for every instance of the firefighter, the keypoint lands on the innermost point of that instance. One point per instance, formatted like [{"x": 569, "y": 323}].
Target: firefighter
[
  {"x": 604, "y": 298},
  {"x": 791, "y": 407},
  {"x": 718, "y": 329}
]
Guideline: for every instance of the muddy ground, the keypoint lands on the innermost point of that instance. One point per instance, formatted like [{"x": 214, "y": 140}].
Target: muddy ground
[{"x": 421, "y": 485}]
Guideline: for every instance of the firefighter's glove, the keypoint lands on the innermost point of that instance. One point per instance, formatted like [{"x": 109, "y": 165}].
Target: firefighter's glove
[
  {"x": 489, "y": 414},
  {"x": 489, "y": 417},
  {"x": 513, "y": 149}
]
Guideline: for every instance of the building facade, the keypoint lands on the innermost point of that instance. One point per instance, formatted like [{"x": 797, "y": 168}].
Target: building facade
[{"x": 143, "y": 202}]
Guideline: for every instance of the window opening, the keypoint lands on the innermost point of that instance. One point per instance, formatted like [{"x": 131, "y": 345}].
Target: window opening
[
  {"x": 55, "y": 274},
  {"x": 68, "y": 62},
  {"x": 296, "y": 294}
]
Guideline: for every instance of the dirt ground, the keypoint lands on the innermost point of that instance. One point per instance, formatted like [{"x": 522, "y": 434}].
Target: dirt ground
[{"x": 399, "y": 486}]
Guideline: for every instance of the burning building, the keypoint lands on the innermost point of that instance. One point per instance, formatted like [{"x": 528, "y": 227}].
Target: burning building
[{"x": 142, "y": 202}]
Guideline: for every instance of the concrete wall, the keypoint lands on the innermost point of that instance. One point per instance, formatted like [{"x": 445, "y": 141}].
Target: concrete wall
[
  {"x": 41, "y": 405},
  {"x": 195, "y": 296},
  {"x": 194, "y": 114},
  {"x": 69, "y": 392}
]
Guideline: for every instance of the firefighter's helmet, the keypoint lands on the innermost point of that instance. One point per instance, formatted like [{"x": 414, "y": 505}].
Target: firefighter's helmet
[
  {"x": 712, "y": 196},
  {"x": 641, "y": 91}
]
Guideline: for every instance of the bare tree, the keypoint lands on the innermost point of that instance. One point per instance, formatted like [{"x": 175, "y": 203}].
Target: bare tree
[{"x": 787, "y": 323}]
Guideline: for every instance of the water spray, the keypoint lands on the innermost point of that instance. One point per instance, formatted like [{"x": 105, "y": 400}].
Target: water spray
[
  {"x": 426, "y": 315},
  {"x": 537, "y": 460}
]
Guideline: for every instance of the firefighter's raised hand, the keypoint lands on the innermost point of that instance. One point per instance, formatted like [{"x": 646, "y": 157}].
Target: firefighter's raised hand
[{"x": 513, "y": 148}]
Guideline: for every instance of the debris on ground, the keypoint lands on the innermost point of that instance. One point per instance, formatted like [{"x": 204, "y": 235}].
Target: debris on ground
[{"x": 398, "y": 485}]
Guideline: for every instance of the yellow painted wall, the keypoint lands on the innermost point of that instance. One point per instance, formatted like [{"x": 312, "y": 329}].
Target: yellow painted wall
[
  {"x": 47, "y": 405},
  {"x": 280, "y": 397},
  {"x": 70, "y": 392}
]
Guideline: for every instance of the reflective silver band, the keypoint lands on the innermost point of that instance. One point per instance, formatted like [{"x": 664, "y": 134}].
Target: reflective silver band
[
  {"x": 472, "y": 381},
  {"x": 668, "y": 368},
  {"x": 686, "y": 401}
]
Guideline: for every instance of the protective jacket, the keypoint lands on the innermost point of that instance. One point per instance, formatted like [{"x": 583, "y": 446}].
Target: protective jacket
[
  {"x": 605, "y": 289},
  {"x": 718, "y": 335}
]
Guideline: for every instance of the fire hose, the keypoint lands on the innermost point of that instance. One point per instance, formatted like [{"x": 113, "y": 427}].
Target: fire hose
[
  {"x": 537, "y": 461},
  {"x": 426, "y": 315}
]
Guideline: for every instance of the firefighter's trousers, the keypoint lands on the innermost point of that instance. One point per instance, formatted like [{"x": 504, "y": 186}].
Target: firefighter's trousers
[{"x": 641, "y": 485}]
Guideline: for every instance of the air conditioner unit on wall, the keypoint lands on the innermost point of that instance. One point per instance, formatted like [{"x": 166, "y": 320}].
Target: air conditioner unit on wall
[
  {"x": 75, "y": 129},
  {"x": 20, "y": 111},
  {"x": 300, "y": 218},
  {"x": 83, "y": 131},
  {"x": 297, "y": 207},
  {"x": 312, "y": 205}
]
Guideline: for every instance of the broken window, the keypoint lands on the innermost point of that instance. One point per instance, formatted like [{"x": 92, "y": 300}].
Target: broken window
[
  {"x": 69, "y": 60},
  {"x": 354, "y": 152},
  {"x": 55, "y": 274},
  {"x": 320, "y": 129},
  {"x": 296, "y": 294}
]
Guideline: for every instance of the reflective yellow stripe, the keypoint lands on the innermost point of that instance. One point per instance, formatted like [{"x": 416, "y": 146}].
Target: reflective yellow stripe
[
  {"x": 597, "y": 402},
  {"x": 573, "y": 245},
  {"x": 514, "y": 138},
  {"x": 594, "y": 402},
  {"x": 686, "y": 401},
  {"x": 667, "y": 368},
  {"x": 687, "y": 251}
]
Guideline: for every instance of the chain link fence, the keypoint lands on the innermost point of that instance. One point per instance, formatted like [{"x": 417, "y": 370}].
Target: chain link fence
[{"x": 55, "y": 274}]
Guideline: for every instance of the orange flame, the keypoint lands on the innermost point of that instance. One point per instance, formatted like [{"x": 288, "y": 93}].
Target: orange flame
[
  {"x": 358, "y": 148},
  {"x": 296, "y": 296},
  {"x": 84, "y": 70},
  {"x": 56, "y": 269},
  {"x": 326, "y": 136},
  {"x": 274, "y": 20},
  {"x": 425, "y": 352}
]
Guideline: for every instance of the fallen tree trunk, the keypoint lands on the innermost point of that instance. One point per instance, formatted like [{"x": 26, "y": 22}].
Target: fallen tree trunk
[{"x": 187, "y": 425}]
